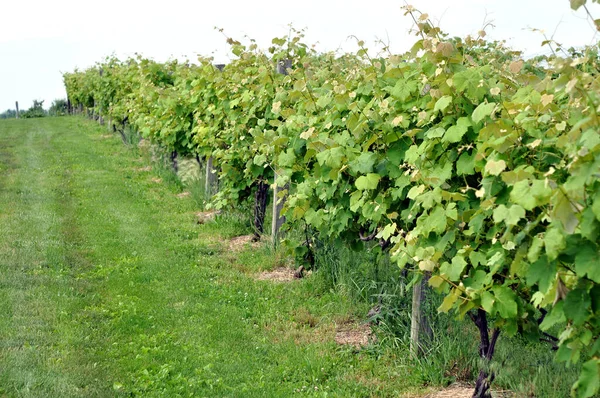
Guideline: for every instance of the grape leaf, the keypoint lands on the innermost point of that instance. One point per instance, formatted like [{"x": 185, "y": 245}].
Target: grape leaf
[
  {"x": 455, "y": 133},
  {"x": 495, "y": 167},
  {"x": 442, "y": 103},
  {"x": 369, "y": 181},
  {"x": 364, "y": 163},
  {"x": 577, "y": 306},
  {"x": 487, "y": 302},
  {"x": 506, "y": 301},
  {"x": 510, "y": 215},
  {"x": 482, "y": 111},
  {"x": 588, "y": 383},
  {"x": 542, "y": 273},
  {"x": 586, "y": 262},
  {"x": 454, "y": 270},
  {"x": 530, "y": 194},
  {"x": 554, "y": 241},
  {"x": 465, "y": 164},
  {"x": 287, "y": 158}
]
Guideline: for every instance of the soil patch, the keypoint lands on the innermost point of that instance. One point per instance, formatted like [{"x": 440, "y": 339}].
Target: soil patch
[
  {"x": 239, "y": 242},
  {"x": 281, "y": 274},
  {"x": 207, "y": 216},
  {"x": 454, "y": 391},
  {"x": 357, "y": 335},
  {"x": 461, "y": 390},
  {"x": 156, "y": 180},
  {"x": 183, "y": 195},
  {"x": 147, "y": 168}
]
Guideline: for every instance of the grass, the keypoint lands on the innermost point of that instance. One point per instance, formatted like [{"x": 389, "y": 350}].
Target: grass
[
  {"x": 526, "y": 369},
  {"x": 110, "y": 288}
]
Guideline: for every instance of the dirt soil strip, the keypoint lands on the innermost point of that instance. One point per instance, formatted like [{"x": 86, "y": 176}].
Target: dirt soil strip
[{"x": 281, "y": 274}]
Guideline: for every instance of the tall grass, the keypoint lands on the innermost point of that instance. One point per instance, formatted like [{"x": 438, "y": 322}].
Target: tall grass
[{"x": 451, "y": 355}]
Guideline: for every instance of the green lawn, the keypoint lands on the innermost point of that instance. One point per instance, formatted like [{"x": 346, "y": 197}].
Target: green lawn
[{"x": 109, "y": 288}]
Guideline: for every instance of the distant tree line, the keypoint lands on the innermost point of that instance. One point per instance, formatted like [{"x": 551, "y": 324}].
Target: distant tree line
[{"x": 58, "y": 108}]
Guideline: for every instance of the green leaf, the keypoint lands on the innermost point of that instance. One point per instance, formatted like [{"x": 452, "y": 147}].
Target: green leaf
[
  {"x": 469, "y": 80},
  {"x": 590, "y": 228},
  {"x": 477, "y": 258},
  {"x": 415, "y": 191},
  {"x": 455, "y": 133},
  {"x": 287, "y": 158},
  {"x": 542, "y": 273},
  {"x": 331, "y": 157},
  {"x": 260, "y": 160},
  {"x": 323, "y": 101},
  {"x": 448, "y": 302},
  {"x": 530, "y": 194},
  {"x": 556, "y": 315},
  {"x": 596, "y": 205},
  {"x": 436, "y": 220},
  {"x": 506, "y": 301},
  {"x": 586, "y": 262},
  {"x": 387, "y": 231},
  {"x": 403, "y": 89},
  {"x": 314, "y": 218},
  {"x": 454, "y": 270},
  {"x": 436, "y": 281},
  {"x": 364, "y": 163},
  {"x": 465, "y": 165},
  {"x": 588, "y": 383},
  {"x": 520, "y": 194},
  {"x": 510, "y": 215},
  {"x": 495, "y": 167},
  {"x": 482, "y": 111},
  {"x": 535, "y": 249},
  {"x": 451, "y": 211},
  {"x": 564, "y": 212},
  {"x": 479, "y": 279},
  {"x": 577, "y": 306},
  {"x": 576, "y": 4},
  {"x": 487, "y": 302},
  {"x": 442, "y": 103},
  {"x": 554, "y": 241},
  {"x": 436, "y": 132},
  {"x": 369, "y": 181}
]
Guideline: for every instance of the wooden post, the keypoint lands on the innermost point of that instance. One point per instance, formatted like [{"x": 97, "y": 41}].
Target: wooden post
[
  {"x": 283, "y": 66},
  {"x": 99, "y": 110},
  {"x": 210, "y": 180},
  {"x": 174, "y": 162},
  {"x": 211, "y": 177},
  {"x": 419, "y": 326},
  {"x": 278, "y": 219},
  {"x": 17, "y": 107}
]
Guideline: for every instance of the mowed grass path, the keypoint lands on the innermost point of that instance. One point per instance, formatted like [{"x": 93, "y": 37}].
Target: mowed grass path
[{"x": 109, "y": 288}]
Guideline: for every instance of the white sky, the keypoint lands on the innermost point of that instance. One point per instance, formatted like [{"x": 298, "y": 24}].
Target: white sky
[{"x": 40, "y": 39}]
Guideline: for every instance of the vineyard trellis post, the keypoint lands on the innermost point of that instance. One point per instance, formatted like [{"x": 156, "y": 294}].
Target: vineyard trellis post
[
  {"x": 419, "y": 324},
  {"x": 210, "y": 181},
  {"x": 211, "y": 177},
  {"x": 278, "y": 202}
]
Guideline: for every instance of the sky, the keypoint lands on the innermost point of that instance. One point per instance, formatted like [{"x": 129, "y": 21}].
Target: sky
[{"x": 40, "y": 39}]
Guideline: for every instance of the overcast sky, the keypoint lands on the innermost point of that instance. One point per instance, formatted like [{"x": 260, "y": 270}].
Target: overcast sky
[{"x": 41, "y": 39}]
